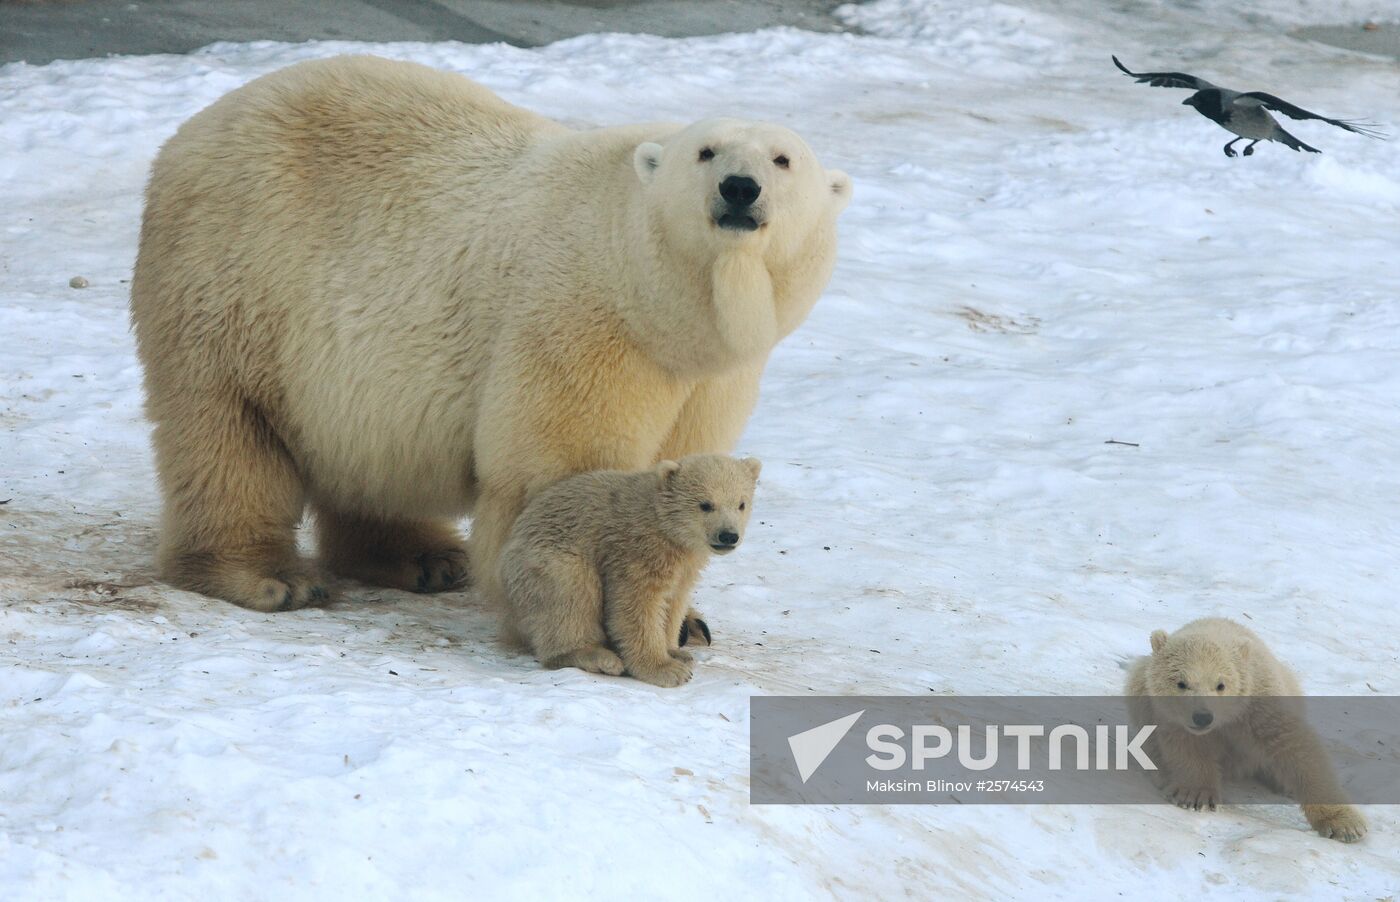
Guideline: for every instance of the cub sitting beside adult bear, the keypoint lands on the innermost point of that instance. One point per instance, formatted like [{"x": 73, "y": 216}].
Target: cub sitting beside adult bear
[
  {"x": 1224, "y": 705},
  {"x": 598, "y": 568},
  {"x": 381, "y": 290}
]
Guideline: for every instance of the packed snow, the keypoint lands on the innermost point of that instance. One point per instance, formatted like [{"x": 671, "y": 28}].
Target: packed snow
[{"x": 1078, "y": 376}]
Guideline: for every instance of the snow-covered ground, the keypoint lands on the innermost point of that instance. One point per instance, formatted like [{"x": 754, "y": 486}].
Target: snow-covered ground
[{"x": 1041, "y": 256}]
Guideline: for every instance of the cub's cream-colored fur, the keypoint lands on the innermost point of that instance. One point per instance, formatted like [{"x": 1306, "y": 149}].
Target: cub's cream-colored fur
[
  {"x": 598, "y": 569},
  {"x": 381, "y": 290},
  {"x": 1224, "y": 705}
]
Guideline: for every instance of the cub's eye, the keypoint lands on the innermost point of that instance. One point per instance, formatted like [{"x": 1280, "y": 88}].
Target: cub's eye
[
  {"x": 741, "y": 505},
  {"x": 706, "y": 506},
  {"x": 1220, "y": 688},
  {"x": 706, "y": 154},
  {"x": 1181, "y": 684},
  {"x": 781, "y": 161}
]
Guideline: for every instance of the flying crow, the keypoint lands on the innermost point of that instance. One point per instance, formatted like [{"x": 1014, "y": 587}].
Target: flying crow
[{"x": 1246, "y": 114}]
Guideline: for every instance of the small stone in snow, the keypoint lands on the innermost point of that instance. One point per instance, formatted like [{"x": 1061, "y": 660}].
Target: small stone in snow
[{"x": 77, "y": 282}]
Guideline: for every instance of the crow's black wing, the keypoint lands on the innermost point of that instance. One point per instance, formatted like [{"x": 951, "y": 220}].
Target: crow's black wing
[
  {"x": 1271, "y": 102},
  {"x": 1166, "y": 79}
]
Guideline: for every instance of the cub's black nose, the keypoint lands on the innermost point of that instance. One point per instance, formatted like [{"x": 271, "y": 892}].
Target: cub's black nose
[
  {"x": 739, "y": 190},
  {"x": 1202, "y": 718},
  {"x": 729, "y": 538}
]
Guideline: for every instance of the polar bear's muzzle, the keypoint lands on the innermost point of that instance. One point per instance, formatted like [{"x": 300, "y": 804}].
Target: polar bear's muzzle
[
  {"x": 737, "y": 208},
  {"x": 724, "y": 541}
]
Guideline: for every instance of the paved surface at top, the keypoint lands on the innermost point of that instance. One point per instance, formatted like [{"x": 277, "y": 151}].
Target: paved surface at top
[
  {"x": 40, "y": 31},
  {"x": 1381, "y": 38}
]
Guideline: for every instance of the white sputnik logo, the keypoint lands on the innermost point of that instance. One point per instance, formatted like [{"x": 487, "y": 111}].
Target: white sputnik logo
[{"x": 811, "y": 747}]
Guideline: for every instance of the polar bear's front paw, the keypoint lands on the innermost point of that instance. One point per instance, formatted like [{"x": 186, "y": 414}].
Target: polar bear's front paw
[
  {"x": 667, "y": 673},
  {"x": 594, "y": 659},
  {"x": 1339, "y": 822},
  {"x": 694, "y": 630},
  {"x": 439, "y": 571},
  {"x": 289, "y": 592},
  {"x": 1194, "y": 797}
]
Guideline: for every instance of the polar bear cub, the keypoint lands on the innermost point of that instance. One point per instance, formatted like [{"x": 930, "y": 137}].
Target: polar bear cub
[
  {"x": 598, "y": 568},
  {"x": 1224, "y": 705}
]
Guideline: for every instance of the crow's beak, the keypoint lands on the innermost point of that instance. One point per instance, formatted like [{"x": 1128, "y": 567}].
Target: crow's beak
[{"x": 1186, "y": 102}]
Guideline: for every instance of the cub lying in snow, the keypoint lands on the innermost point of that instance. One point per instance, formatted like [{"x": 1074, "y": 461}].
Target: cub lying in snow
[
  {"x": 1224, "y": 703},
  {"x": 597, "y": 570}
]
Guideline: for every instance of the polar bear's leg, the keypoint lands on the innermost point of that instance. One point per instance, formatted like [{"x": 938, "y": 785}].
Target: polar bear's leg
[
  {"x": 594, "y": 659},
  {"x": 232, "y": 503},
  {"x": 686, "y": 626},
  {"x": 492, "y": 518},
  {"x": 639, "y": 624},
  {"x": 414, "y": 555},
  {"x": 714, "y": 415},
  {"x": 556, "y": 604},
  {"x": 1297, "y": 761}
]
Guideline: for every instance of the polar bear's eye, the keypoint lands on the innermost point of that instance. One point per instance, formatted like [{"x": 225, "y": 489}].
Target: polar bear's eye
[
  {"x": 706, "y": 506},
  {"x": 781, "y": 161},
  {"x": 706, "y": 154},
  {"x": 1181, "y": 684},
  {"x": 741, "y": 505}
]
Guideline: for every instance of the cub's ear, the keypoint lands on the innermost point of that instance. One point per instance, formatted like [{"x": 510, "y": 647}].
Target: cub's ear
[
  {"x": 754, "y": 465},
  {"x": 840, "y": 189},
  {"x": 645, "y": 159},
  {"x": 1159, "y": 640},
  {"x": 1243, "y": 651},
  {"x": 665, "y": 470}
]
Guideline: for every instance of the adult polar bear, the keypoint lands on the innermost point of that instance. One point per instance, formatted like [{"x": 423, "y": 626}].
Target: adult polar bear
[{"x": 381, "y": 290}]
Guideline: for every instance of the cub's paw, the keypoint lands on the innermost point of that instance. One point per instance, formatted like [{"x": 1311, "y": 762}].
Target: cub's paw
[
  {"x": 1194, "y": 797},
  {"x": 694, "y": 630},
  {"x": 668, "y": 674},
  {"x": 441, "y": 571},
  {"x": 288, "y": 593},
  {"x": 1340, "y": 822},
  {"x": 596, "y": 659}
]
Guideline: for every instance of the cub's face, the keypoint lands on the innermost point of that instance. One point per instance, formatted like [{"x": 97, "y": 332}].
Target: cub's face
[
  {"x": 705, "y": 500},
  {"x": 729, "y": 182},
  {"x": 1197, "y": 684}
]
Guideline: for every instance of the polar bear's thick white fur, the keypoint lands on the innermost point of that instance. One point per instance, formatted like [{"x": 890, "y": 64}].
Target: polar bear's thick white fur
[{"x": 380, "y": 290}]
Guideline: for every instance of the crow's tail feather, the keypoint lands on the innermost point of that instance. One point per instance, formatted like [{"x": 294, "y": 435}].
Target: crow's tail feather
[{"x": 1288, "y": 140}]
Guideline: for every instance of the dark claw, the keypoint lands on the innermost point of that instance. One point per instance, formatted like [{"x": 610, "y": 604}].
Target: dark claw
[
  {"x": 685, "y": 634},
  {"x": 319, "y": 593},
  {"x": 705, "y": 629}
]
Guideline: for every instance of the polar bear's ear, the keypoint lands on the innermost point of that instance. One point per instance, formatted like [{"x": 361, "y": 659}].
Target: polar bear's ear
[
  {"x": 1159, "y": 640},
  {"x": 1243, "y": 651},
  {"x": 665, "y": 470},
  {"x": 645, "y": 159},
  {"x": 754, "y": 465},
  {"x": 840, "y": 188}
]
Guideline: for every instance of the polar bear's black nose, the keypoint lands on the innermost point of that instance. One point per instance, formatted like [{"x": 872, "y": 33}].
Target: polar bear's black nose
[
  {"x": 739, "y": 190},
  {"x": 1202, "y": 718},
  {"x": 728, "y": 538}
]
